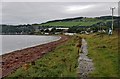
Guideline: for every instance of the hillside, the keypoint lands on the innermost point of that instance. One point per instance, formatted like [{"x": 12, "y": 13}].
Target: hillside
[
  {"x": 78, "y": 21},
  {"x": 70, "y": 24},
  {"x": 74, "y": 24}
]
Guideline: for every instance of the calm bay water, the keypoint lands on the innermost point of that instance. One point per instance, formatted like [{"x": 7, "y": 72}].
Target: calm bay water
[{"x": 11, "y": 43}]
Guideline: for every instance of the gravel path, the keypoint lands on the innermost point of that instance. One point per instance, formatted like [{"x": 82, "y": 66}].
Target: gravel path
[{"x": 85, "y": 64}]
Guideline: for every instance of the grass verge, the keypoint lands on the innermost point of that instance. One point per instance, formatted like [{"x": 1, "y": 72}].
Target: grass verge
[
  {"x": 62, "y": 62},
  {"x": 103, "y": 49}
]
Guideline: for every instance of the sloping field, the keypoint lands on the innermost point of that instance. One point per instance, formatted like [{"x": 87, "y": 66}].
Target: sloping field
[{"x": 69, "y": 24}]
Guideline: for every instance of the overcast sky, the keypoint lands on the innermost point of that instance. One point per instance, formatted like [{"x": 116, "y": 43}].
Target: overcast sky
[{"x": 38, "y": 12}]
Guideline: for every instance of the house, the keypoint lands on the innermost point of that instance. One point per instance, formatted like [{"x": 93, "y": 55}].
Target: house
[
  {"x": 50, "y": 29},
  {"x": 62, "y": 28},
  {"x": 70, "y": 34},
  {"x": 46, "y": 33}
]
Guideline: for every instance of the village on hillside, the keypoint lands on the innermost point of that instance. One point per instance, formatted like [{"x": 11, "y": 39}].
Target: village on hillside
[{"x": 69, "y": 26}]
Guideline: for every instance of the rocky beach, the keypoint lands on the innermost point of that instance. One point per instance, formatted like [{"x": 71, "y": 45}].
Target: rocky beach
[{"x": 11, "y": 61}]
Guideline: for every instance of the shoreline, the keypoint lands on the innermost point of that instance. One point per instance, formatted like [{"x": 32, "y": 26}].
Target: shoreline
[
  {"x": 12, "y": 61},
  {"x": 22, "y": 48}
]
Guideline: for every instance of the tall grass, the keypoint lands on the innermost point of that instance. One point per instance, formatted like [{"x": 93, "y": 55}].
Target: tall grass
[{"x": 103, "y": 49}]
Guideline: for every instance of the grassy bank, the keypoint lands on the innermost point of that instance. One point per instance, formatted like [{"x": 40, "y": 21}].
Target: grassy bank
[
  {"x": 103, "y": 49},
  {"x": 61, "y": 62}
]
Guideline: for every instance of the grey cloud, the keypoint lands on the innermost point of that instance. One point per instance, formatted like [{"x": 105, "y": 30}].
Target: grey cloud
[
  {"x": 38, "y": 12},
  {"x": 60, "y": 0}
]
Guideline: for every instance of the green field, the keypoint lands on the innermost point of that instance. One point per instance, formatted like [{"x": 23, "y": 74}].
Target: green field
[
  {"x": 74, "y": 22},
  {"x": 69, "y": 24}
]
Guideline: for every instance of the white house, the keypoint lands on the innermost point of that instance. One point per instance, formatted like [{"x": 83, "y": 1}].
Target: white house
[
  {"x": 70, "y": 34},
  {"x": 62, "y": 28}
]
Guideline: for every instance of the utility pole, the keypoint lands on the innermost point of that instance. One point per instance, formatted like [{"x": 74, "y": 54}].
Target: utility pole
[{"x": 112, "y": 15}]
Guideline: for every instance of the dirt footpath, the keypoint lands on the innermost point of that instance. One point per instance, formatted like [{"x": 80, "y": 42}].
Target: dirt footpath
[{"x": 85, "y": 64}]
